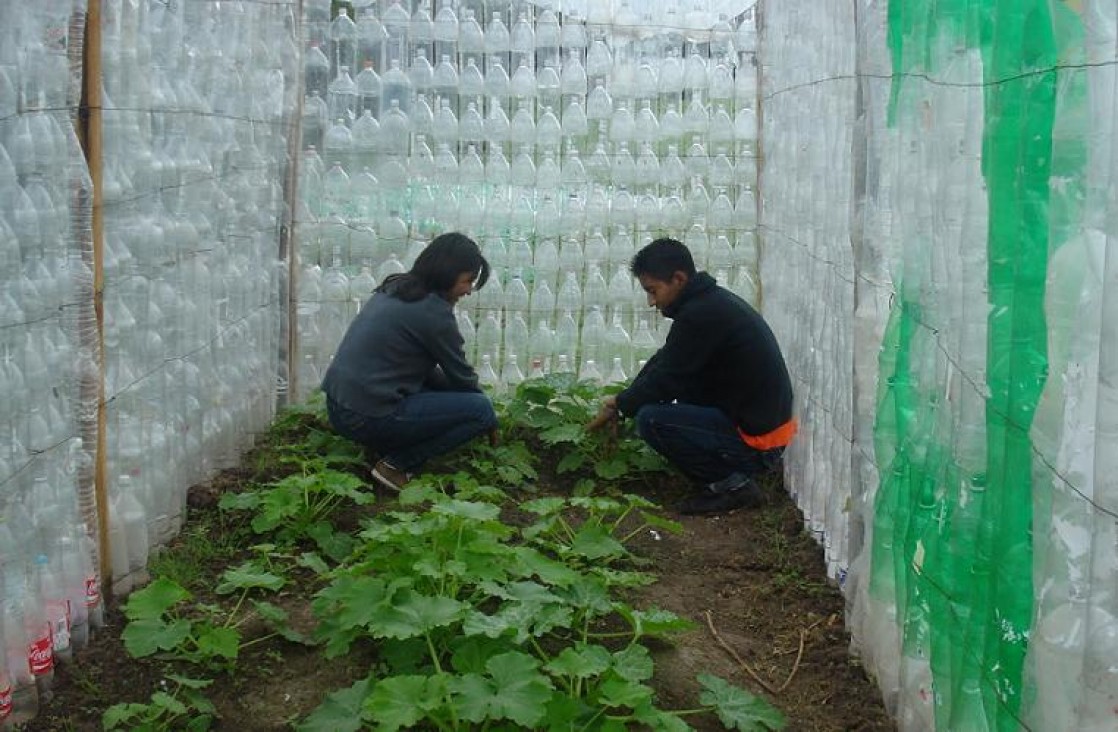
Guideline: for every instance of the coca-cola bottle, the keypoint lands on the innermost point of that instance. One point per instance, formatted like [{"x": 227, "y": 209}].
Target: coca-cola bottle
[
  {"x": 40, "y": 649},
  {"x": 55, "y": 606},
  {"x": 23, "y": 693}
]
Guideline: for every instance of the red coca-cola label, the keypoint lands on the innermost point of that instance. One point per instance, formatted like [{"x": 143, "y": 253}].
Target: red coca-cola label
[
  {"x": 40, "y": 655},
  {"x": 5, "y": 695},
  {"x": 92, "y": 591}
]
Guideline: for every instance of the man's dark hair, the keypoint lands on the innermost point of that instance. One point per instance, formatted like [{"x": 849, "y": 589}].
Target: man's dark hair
[
  {"x": 438, "y": 267},
  {"x": 661, "y": 259}
]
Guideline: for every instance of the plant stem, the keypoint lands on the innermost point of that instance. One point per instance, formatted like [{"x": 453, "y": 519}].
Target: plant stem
[
  {"x": 236, "y": 608},
  {"x": 254, "y": 641}
]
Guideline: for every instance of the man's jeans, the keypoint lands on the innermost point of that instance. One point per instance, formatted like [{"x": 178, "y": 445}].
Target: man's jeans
[
  {"x": 423, "y": 426},
  {"x": 702, "y": 442}
]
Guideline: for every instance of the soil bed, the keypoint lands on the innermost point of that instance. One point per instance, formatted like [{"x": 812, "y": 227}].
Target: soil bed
[{"x": 752, "y": 582}]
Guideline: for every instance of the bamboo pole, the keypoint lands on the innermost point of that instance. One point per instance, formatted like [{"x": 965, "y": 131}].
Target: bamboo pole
[
  {"x": 759, "y": 153},
  {"x": 89, "y": 133},
  {"x": 289, "y": 240}
]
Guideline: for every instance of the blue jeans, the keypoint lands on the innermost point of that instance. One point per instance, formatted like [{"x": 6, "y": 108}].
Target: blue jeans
[
  {"x": 702, "y": 442},
  {"x": 423, "y": 426}
]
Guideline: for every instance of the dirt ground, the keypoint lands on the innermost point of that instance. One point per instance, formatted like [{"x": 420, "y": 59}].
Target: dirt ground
[{"x": 752, "y": 581}]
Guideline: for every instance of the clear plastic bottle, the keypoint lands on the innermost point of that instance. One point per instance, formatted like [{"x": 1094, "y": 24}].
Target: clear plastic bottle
[
  {"x": 393, "y": 237},
  {"x": 511, "y": 374},
  {"x": 23, "y": 689},
  {"x": 496, "y": 79},
  {"x": 745, "y": 127},
  {"x": 316, "y": 70},
  {"x": 471, "y": 169},
  {"x": 5, "y": 689},
  {"x": 421, "y": 28},
  {"x": 498, "y": 129},
  {"x": 489, "y": 336},
  {"x": 695, "y": 71},
  {"x": 563, "y": 364},
  {"x": 548, "y": 84},
  {"x": 574, "y": 123},
  {"x": 522, "y": 172},
  {"x": 55, "y": 606},
  {"x": 545, "y": 257},
  {"x": 421, "y": 73},
  {"x": 487, "y": 376},
  {"x": 446, "y": 30},
  {"x": 589, "y": 372},
  {"x": 599, "y": 104},
  {"x": 618, "y": 344},
  {"x": 644, "y": 342},
  {"x": 471, "y": 82},
  {"x": 396, "y": 90},
  {"x": 471, "y": 37},
  {"x": 422, "y": 118},
  {"x": 368, "y": 89},
  {"x": 572, "y": 78},
  {"x": 396, "y": 22},
  {"x": 696, "y": 118},
  {"x": 566, "y": 337},
  {"x": 343, "y": 41},
  {"x": 496, "y": 35},
  {"x": 523, "y": 84},
  {"x": 40, "y": 649},
  {"x": 617, "y": 372},
  {"x": 549, "y": 131},
  {"x": 445, "y": 79},
  {"x": 372, "y": 38},
  {"x": 599, "y": 58},
  {"x": 469, "y": 333},
  {"x": 522, "y": 130},
  {"x": 541, "y": 345}
]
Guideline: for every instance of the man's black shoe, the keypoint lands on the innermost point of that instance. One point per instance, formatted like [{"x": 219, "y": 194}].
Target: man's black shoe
[
  {"x": 745, "y": 494},
  {"x": 729, "y": 483}
]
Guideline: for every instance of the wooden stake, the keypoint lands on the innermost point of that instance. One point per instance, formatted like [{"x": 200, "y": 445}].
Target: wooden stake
[{"x": 89, "y": 133}]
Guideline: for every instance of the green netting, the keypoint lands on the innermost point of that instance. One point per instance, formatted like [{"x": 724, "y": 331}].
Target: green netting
[{"x": 953, "y": 550}]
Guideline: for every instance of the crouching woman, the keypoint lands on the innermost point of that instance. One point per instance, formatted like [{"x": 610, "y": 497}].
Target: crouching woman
[{"x": 400, "y": 382}]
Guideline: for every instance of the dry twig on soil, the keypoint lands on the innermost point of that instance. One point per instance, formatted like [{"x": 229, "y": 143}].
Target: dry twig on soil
[
  {"x": 799, "y": 654},
  {"x": 736, "y": 657}
]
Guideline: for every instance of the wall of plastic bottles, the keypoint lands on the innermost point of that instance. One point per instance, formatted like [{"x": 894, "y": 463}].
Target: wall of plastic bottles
[
  {"x": 198, "y": 104},
  {"x": 923, "y": 188},
  {"x": 560, "y": 141},
  {"x": 939, "y": 261}
]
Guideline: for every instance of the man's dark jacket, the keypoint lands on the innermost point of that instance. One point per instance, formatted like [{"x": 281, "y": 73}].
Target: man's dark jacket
[{"x": 719, "y": 353}]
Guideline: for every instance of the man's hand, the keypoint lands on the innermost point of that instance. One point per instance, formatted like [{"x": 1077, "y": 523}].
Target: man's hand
[
  {"x": 607, "y": 414},
  {"x": 494, "y": 437}
]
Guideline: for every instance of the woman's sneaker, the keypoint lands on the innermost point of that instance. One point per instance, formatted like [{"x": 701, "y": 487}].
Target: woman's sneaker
[
  {"x": 737, "y": 491},
  {"x": 389, "y": 476}
]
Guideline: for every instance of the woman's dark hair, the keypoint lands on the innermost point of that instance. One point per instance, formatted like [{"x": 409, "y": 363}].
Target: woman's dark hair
[
  {"x": 661, "y": 259},
  {"x": 438, "y": 267}
]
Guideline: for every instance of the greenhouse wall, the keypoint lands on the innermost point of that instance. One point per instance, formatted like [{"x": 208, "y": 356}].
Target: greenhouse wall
[
  {"x": 918, "y": 196},
  {"x": 937, "y": 228},
  {"x": 142, "y": 298}
]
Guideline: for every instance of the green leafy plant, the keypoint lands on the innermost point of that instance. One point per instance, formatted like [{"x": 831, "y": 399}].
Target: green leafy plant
[
  {"x": 183, "y": 706},
  {"x": 555, "y": 409},
  {"x": 599, "y": 529},
  {"x": 299, "y": 506},
  {"x": 481, "y": 625},
  {"x": 162, "y": 622}
]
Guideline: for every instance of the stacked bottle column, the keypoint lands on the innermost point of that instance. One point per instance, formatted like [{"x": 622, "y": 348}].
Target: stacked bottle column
[
  {"x": 561, "y": 143},
  {"x": 974, "y": 313},
  {"x": 196, "y": 99},
  {"x": 48, "y": 558}
]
